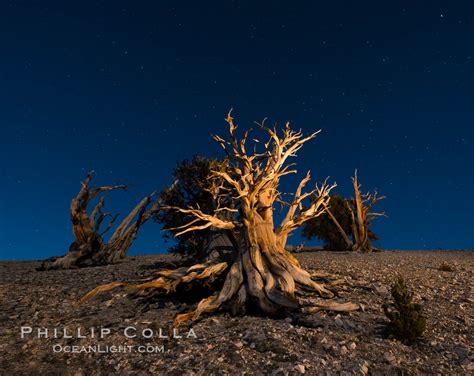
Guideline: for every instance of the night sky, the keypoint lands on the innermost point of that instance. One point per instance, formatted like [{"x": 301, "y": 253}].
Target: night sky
[{"x": 128, "y": 89}]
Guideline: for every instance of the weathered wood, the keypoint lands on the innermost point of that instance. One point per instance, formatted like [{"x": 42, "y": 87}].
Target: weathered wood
[
  {"x": 89, "y": 247},
  {"x": 361, "y": 216},
  {"x": 261, "y": 273}
]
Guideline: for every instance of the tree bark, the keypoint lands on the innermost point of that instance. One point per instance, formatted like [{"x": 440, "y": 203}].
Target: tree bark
[
  {"x": 260, "y": 273},
  {"x": 361, "y": 216},
  {"x": 89, "y": 247}
]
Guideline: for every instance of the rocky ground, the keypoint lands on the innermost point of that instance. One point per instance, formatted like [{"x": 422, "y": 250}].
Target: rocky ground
[{"x": 219, "y": 344}]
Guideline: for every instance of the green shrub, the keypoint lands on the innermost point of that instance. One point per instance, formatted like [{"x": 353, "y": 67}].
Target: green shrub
[
  {"x": 445, "y": 267},
  {"x": 406, "y": 320}
]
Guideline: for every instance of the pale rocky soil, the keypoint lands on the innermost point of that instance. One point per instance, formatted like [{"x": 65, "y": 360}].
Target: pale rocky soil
[{"x": 319, "y": 344}]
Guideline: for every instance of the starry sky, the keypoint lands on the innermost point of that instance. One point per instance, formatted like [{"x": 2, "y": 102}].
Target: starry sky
[{"x": 127, "y": 89}]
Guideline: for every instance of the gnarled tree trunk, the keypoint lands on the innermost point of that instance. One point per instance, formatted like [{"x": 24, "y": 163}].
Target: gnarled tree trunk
[
  {"x": 89, "y": 247},
  {"x": 361, "y": 216},
  {"x": 259, "y": 272}
]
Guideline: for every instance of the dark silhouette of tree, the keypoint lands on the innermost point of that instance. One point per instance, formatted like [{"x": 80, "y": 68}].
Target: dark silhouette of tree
[
  {"x": 191, "y": 187},
  {"x": 325, "y": 229}
]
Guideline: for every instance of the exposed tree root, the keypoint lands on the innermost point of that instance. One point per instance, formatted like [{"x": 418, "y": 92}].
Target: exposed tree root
[
  {"x": 167, "y": 279},
  {"x": 273, "y": 287}
]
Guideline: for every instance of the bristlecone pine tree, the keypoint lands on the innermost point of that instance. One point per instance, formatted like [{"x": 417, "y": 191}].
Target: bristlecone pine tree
[
  {"x": 89, "y": 248},
  {"x": 261, "y": 273},
  {"x": 360, "y": 218}
]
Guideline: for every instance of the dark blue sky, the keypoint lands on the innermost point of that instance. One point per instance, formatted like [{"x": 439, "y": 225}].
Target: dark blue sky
[{"x": 127, "y": 90}]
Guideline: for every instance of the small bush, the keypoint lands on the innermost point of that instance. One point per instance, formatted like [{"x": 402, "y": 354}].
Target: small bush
[
  {"x": 444, "y": 267},
  {"x": 406, "y": 318}
]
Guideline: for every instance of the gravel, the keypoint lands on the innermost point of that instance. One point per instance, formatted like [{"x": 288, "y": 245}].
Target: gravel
[{"x": 321, "y": 343}]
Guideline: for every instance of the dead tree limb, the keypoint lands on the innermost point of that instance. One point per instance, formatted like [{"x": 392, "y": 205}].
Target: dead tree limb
[{"x": 346, "y": 238}]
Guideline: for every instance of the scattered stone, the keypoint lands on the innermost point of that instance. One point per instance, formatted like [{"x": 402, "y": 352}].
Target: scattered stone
[
  {"x": 338, "y": 321},
  {"x": 308, "y": 321},
  {"x": 389, "y": 357},
  {"x": 461, "y": 351},
  {"x": 322, "y": 343},
  {"x": 364, "y": 368},
  {"x": 382, "y": 290},
  {"x": 300, "y": 368},
  {"x": 239, "y": 344}
]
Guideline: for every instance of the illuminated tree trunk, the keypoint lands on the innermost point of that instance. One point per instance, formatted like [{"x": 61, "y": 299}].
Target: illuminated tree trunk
[
  {"x": 259, "y": 273},
  {"x": 89, "y": 247},
  {"x": 361, "y": 216}
]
